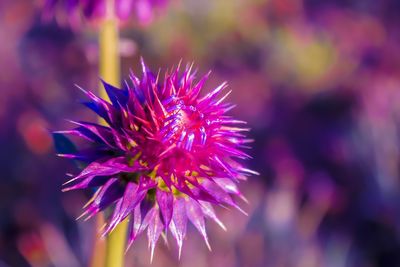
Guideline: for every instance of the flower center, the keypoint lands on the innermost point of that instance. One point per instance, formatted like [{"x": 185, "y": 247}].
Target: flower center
[
  {"x": 186, "y": 126},
  {"x": 190, "y": 117}
]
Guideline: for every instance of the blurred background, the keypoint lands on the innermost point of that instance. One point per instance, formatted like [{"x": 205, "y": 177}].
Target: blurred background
[{"x": 317, "y": 80}]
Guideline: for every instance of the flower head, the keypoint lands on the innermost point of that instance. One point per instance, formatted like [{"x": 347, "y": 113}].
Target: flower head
[
  {"x": 95, "y": 10},
  {"x": 164, "y": 157}
]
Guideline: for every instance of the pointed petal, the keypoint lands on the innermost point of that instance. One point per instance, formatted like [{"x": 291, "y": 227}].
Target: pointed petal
[
  {"x": 229, "y": 186},
  {"x": 153, "y": 231},
  {"x": 105, "y": 196},
  {"x": 209, "y": 212},
  {"x": 94, "y": 132},
  {"x": 213, "y": 93},
  {"x": 132, "y": 197},
  {"x": 63, "y": 144},
  {"x": 220, "y": 195},
  {"x": 196, "y": 216},
  {"x": 179, "y": 222},
  {"x": 135, "y": 226},
  {"x": 107, "y": 168},
  {"x": 98, "y": 105},
  {"x": 197, "y": 88},
  {"x": 142, "y": 215},
  {"x": 165, "y": 202},
  {"x": 117, "y": 96}
]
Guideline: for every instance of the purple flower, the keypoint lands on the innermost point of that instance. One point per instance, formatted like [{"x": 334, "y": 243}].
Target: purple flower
[
  {"x": 164, "y": 157},
  {"x": 97, "y": 9}
]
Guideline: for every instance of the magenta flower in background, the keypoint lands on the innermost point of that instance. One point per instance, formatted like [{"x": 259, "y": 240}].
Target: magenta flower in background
[
  {"x": 164, "y": 157},
  {"x": 95, "y": 10}
]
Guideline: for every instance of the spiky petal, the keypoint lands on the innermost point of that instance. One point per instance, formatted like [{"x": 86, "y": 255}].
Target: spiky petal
[{"x": 164, "y": 157}]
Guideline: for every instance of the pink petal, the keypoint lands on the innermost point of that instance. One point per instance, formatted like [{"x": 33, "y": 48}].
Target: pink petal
[
  {"x": 179, "y": 222},
  {"x": 154, "y": 230},
  {"x": 165, "y": 202},
  {"x": 209, "y": 212},
  {"x": 196, "y": 216}
]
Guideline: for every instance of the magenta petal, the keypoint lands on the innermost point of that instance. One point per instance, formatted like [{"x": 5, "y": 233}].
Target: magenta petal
[
  {"x": 109, "y": 167},
  {"x": 208, "y": 97},
  {"x": 197, "y": 88},
  {"x": 154, "y": 230},
  {"x": 142, "y": 216},
  {"x": 132, "y": 197},
  {"x": 228, "y": 185},
  {"x": 196, "y": 216},
  {"x": 148, "y": 215},
  {"x": 88, "y": 155},
  {"x": 209, "y": 212},
  {"x": 148, "y": 218},
  {"x": 220, "y": 195},
  {"x": 135, "y": 225},
  {"x": 217, "y": 192},
  {"x": 179, "y": 222},
  {"x": 95, "y": 131},
  {"x": 106, "y": 195},
  {"x": 114, "y": 220},
  {"x": 165, "y": 202}
]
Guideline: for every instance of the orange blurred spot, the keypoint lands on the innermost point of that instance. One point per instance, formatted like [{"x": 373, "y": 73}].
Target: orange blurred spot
[
  {"x": 31, "y": 246},
  {"x": 33, "y": 130}
]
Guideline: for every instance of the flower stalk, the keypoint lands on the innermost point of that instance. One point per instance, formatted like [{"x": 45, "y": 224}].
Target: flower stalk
[
  {"x": 109, "y": 65},
  {"x": 109, "y": 61}
]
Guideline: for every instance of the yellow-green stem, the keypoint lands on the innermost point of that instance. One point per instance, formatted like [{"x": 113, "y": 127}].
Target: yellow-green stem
[
  {"x": 110, "y": 72},
  {"x": 109, "y": 56},
  {"x": 99, "y": 245}
]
